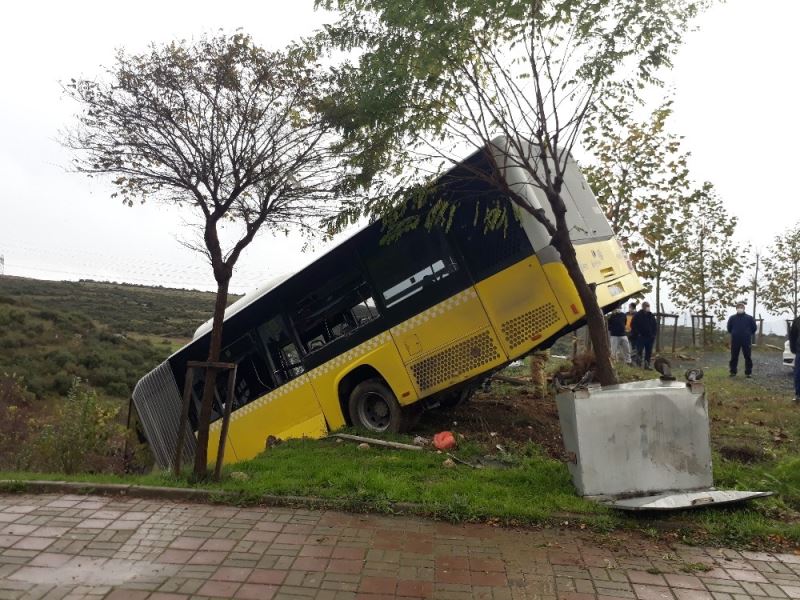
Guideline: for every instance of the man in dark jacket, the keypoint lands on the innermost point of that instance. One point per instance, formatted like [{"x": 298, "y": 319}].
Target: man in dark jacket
[
  {"x": 644, "y": 328},
  {"x": 741, "y": 326},
  {"x": 794, "y": 346},
  {"x": 619, "y": 340}
]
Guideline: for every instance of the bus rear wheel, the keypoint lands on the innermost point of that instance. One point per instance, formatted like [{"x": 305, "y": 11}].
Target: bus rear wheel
[{"x": 374, "y": 407}]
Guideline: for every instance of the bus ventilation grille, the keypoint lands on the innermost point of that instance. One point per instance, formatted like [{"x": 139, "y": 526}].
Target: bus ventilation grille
[
  {"x": 455, "y": 360},
  {"x": 523, "y": 328}
]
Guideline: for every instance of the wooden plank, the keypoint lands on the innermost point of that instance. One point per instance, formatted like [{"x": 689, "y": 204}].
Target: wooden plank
[
  {"x": 511, "y": 380},
  {"x": 226, "y": 419},
  {"x": 387, "y": 444}
]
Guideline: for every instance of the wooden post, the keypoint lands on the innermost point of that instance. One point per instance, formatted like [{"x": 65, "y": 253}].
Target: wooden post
[
  {"x": 184, "y": 418},
  {"x": 127, "y": 433},
  {"x": 757, "y": 335},
  {"x": 660, "y": 316},
  {"x": 226, "y": 418},
  {"x": 674, "y": 333},
  {"x": 187, "y": 395},
  {"x": 694, "y": 339}
]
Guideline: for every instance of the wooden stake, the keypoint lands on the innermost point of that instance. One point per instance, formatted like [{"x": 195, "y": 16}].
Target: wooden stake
[
  {"x": 226, "y": 418},
  {"x": 187, "y": 394}
]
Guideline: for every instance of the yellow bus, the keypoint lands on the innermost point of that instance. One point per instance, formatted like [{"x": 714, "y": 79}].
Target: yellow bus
[{"x": 370, "y": 333}]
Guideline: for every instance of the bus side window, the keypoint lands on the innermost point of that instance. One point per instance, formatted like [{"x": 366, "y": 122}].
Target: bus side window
[
  {"x": 253, "y": 378},
  {"x": 340, "y": 303},
  {"x": 416, "y": 261},
  {"x": 488, "y": 250},
  {"x": 282, "y": 357}
]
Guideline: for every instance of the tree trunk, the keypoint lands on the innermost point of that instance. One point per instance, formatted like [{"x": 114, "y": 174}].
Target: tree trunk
[
  {"x": 794, "y": 292},
  {"x": 595, "y": 320},
  {"x": 755, "y": 288},
  {"x": 658, "y": 295},
  {"x": 703, "y": 286},
  {"x": 201, "y": 455},
  {"x": 756, "y": 340}
]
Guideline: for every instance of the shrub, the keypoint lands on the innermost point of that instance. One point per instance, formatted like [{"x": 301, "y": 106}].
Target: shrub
[
  {"x": 15, "y": 421},
  {"x": 62, "y": 384},
  {"x": 84, "y": 435}
]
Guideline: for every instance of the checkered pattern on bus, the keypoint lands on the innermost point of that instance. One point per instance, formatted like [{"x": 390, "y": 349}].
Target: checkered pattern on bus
[
  {"x": 435, "y": 311},
  {"x": 305, "y": 378}
]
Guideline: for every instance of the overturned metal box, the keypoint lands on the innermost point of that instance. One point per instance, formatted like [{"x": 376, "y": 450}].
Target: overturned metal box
[{"x": 642, "y": 445}]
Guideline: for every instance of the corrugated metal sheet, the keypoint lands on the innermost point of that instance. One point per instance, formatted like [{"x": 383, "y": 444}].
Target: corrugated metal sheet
[{"x": 158, "y": 403}]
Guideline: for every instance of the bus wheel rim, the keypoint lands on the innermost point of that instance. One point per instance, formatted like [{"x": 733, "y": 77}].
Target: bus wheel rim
[{"x": 375, "y": 412}]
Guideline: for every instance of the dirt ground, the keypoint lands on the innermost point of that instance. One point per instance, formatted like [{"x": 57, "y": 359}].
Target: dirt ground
[
  {"x": 512, "y": 415},
  {"x": 505, "y": 416}
]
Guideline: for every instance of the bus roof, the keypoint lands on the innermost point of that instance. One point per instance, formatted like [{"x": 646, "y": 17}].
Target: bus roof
[
  {"x": 270, "y": 285},
  {"x": 244, "y": 301},
  {"x": 274, "y": 282}
]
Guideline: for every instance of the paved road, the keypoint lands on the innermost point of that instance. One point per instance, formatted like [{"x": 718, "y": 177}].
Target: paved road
[{"x": 60, "y": 547}]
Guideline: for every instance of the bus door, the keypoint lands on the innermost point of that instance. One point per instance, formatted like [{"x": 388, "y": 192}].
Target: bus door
[
  {"x": 273, "y": 395},
  {"x": 442, "y": 333},
  {"x": 500, "y": 256}
]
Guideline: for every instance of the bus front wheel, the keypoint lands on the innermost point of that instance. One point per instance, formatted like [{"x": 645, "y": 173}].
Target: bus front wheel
[{"x": 373, "y": 406}]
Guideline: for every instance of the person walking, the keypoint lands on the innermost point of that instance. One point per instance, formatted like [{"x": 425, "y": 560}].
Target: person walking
[
  {"x": 618, "y": 337},
  {"x": 794, "y": 346},
  {"x": 741, "y": 326},
  {"x": 644, "y": 328}
]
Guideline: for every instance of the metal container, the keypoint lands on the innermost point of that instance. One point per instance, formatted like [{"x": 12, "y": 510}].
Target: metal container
[{"x": 641, "y": 443}]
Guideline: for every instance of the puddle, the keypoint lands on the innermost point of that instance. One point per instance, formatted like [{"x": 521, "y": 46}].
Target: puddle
[{"x": 93, "y": 571}]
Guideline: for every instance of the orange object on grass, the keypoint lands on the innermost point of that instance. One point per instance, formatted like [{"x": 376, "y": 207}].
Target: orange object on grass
[{"x": 444, "y": 440}]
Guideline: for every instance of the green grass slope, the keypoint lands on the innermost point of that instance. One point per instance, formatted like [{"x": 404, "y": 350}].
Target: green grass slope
[{"x": 107, "y": 334}]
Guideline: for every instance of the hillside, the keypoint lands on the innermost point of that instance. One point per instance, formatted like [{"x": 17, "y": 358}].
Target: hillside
[
  {"x": 111, "y": 334},
  {"x": 107, "y": 334}
]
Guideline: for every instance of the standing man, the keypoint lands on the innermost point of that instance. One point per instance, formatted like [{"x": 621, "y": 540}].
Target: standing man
[
  {"x": 741, "y": 326},
  {"x": 644, "y": 329},
  {"x": 617, "y": 336},
  {"x": 794, "y": 346}
]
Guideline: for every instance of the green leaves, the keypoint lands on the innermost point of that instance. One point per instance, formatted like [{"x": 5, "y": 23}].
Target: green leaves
[
  {"x": 433, "y": 76},
  {"x": 781, "y": 292},
  {"x": 709, "y": 278},
  {"x": 641, "y": 179}
]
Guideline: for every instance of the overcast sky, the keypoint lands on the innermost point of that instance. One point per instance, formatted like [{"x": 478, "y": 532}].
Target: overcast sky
[{"x": 735, "y": 81}]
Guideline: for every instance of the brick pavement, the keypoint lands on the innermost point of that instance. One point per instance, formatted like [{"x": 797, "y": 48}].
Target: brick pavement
[{"x": 69, "y": 547}]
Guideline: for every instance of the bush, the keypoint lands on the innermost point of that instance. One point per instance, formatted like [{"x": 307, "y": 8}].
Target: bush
[
  {"x": 15, "y": 421},
  {"x": 84, "y": 435}
]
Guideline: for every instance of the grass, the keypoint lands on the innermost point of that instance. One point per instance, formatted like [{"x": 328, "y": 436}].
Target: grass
[
  {"x": 112, "y": 334},
  {"x": 531, "y": 490}
]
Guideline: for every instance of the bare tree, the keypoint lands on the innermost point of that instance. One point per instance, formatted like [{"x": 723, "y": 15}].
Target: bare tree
[
  {"x": 434, "y": 82},
  {"x": 222, "y": 128}
]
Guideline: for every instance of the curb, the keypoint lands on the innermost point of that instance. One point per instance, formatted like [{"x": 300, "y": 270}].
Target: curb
[
  {"x": 41, "y": 486},
  {"x": 227, "y": 497}
]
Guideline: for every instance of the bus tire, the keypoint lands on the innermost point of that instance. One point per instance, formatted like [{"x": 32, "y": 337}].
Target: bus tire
[{"x": 374, "y": 407}]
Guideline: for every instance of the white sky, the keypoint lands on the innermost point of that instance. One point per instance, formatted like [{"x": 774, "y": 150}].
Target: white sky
[{"x": 736, "y": 83}]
